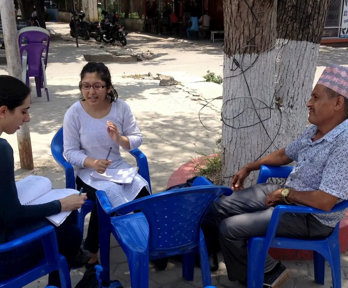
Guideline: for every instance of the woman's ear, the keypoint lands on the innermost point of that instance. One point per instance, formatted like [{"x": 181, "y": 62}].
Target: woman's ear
[{"x": 3, "y": 110}]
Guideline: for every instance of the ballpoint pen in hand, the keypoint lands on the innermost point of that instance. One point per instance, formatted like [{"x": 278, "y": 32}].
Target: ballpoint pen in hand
[
  {"x": 107, "y": 156},
  {"x": 81, "y": 191}
]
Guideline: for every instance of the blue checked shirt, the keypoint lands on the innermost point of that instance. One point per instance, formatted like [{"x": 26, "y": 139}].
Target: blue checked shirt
[{"x": 321, "y": 165}]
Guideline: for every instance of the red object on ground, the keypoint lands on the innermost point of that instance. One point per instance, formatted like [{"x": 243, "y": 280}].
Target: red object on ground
[{"x": 188, "y": 170}]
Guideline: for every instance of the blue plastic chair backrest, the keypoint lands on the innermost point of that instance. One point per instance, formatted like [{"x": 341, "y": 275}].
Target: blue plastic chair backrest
[
  {"x": 175, "y": 216},
  {"x": 34, "y": 54},
  {"x": 57, "y": 152},
  {"x": 53, "y": 260}
]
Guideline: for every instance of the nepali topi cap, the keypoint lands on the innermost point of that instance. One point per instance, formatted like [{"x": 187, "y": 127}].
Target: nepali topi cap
[{"x": 336, "y": 78}]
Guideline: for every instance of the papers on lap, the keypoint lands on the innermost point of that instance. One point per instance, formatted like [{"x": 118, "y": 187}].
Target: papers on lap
[
  {"x": 33, "y": 190},
  {"x": 121, "y": 176}
]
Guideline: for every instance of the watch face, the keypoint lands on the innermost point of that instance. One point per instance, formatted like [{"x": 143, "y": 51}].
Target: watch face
[{"x": 285, "y": 192}]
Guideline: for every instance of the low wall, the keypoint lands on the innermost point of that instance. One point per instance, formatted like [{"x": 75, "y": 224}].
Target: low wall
[
  {"x": 64, "y": 16},
  {"x": 134, "y": 24}
]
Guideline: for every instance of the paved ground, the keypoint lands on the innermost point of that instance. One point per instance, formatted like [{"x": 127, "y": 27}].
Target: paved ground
[{"x": 178, "y": 122}]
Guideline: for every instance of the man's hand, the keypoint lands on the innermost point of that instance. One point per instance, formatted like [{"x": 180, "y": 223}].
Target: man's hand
[
  {"x": 274, "y": 198},
  {"x": 237, "y": 182}
]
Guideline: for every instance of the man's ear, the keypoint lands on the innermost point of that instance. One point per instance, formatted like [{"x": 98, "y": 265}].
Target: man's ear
[
  {"x": 340, "y": 103},
  {"x": 3, "y": 111}
]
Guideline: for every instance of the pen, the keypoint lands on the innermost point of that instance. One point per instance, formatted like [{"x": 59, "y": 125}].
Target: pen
[
  {"x": 81, "y": 190},
  {"x": 107, "y": 156}
]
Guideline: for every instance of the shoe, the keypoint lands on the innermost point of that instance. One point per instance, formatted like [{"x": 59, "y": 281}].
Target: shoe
[
  {"x": 89, "y": 279},
  {"x": 276, "y": 277},
  {"x": 80, "y": 259}
]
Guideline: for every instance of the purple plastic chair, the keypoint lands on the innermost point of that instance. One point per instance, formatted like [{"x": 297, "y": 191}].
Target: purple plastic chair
[
  {"x": 33, "y": 66},
  {"x": 36, "y": 40}
]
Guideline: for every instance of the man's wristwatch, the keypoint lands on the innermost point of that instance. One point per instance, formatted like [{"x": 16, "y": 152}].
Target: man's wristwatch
[{"x": 285, "y": 193}]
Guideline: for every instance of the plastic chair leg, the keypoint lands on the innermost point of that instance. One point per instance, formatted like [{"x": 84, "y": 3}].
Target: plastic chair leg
[
  {"x": 38, "y": 86},
  {"x": 205, "y": 266},
  {"x": 256, "y": 263},
  {"x": 64, "y": 273},
  {"x": 138, "y": 264},
  {"x": 188, "y": 265},
  {"x": 319, "y": 267}
]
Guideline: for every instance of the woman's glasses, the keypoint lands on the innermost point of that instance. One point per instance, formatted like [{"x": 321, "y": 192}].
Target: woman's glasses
[{"x": 96, "y": 86}]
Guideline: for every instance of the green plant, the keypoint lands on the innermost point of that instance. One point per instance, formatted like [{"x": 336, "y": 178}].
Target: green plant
[
  {"x": 211, "y": 77},
  {"x": 211, "y": 168}
]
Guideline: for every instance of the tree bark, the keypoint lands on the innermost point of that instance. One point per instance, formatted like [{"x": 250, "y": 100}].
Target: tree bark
[
  {"x": 248, "y": 130},
  {"x": 267, "y": 82},
  {"x": 14, "y": 69},
  {"x": 300, "y": 25},
  {"x": 39, "y": 4}
]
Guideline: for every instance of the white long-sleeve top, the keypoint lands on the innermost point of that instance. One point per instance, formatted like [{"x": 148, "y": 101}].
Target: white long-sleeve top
[{"x": 85, "y": 136}]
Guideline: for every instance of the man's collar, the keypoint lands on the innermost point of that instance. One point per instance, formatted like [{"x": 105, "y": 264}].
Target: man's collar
[{"x": 332, "y": 134}]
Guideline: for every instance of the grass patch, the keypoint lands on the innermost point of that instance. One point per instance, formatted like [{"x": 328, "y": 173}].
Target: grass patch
[
  {"x": 211, "y": 168},
  {"x": 212, "y": 77}
]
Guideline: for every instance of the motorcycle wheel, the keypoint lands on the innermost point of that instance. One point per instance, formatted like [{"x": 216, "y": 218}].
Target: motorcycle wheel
[
  {"x": 72, "y": 34},
  {"x": 123, "y": 41},
  {"x": 85, "y": 35}
]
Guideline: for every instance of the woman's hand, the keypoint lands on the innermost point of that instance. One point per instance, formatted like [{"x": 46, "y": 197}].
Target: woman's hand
[
  {"x": 72, "y": 202},
  {"x": 237, "y": 182},
  {"x": 113, "y": 132},
  {"x": 101, "y": 165}
]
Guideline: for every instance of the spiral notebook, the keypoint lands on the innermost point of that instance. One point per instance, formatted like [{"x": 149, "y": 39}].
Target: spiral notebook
[{"x": 33, "y": 190}]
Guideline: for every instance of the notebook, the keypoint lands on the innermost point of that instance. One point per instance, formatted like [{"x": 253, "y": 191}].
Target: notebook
[{"x": 35, "y": 189}]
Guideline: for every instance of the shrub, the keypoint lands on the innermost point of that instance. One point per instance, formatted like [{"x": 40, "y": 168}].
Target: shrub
[{"x": 211, "y": 77}]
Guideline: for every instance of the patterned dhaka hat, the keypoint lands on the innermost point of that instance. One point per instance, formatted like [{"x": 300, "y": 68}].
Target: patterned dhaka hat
[{"x": 336, "y": 78}]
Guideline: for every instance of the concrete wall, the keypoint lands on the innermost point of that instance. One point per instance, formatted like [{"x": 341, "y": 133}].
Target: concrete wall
[
  {"x": 134, "y": 24},
  {"x": 64, "y": 16}
]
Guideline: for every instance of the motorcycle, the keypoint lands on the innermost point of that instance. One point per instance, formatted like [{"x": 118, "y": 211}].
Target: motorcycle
[
  {"x": 111, "y": 30},
  {"x": 79, "y": 27}
]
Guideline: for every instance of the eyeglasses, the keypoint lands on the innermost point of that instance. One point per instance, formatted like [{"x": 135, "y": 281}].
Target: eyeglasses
[{"x": 96, "y": 86}]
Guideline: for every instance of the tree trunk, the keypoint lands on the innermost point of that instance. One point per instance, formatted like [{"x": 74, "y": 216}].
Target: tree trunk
[
  {"x": 249, "y": 113},
  {"x": 26, "y": 7},
  {"x": 266, "y": 86},
  {"x": 300, "y": 25},
  {"x": 90, "y": 8},
  {"x": 40, "y": 9},
  {"x": 14, "y": 69}
]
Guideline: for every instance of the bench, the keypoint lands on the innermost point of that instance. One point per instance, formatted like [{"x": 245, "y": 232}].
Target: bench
[{"x": 213, "y": 34}]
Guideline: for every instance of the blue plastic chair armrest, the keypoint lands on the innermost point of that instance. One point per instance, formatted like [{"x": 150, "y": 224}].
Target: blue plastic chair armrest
[
  {"x": 267, "y": 171},
  {"x": 104, "y": 202},
  {"x": 28, "y": 238},
  {"x": 142, "y": 165},
  {"x": 279, "y": 210}
]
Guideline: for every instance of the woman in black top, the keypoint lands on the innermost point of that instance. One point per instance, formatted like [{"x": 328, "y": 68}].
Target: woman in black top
[{"x": 15, "y": 219}]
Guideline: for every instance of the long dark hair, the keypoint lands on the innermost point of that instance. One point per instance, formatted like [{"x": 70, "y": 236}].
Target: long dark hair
[
  {"x": 13, "y": 92},
  {"x": 104, "y": 74}
]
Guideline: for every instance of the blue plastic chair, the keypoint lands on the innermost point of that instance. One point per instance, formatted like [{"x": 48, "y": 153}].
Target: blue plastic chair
[
  {"x": 57, "y": 152},
  {"x": 52, "y": 261},
  {"x": 168, "y": 224},
  {"x": 325, "y": 248}
]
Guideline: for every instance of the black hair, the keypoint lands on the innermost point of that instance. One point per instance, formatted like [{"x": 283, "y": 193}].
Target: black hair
[
  {"x": 13, "y": 92},
  {"x": 104, "y": 74}
]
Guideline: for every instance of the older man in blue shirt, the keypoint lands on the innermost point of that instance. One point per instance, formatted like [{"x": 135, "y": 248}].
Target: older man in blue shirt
[{"x": 319, "y": 179}]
